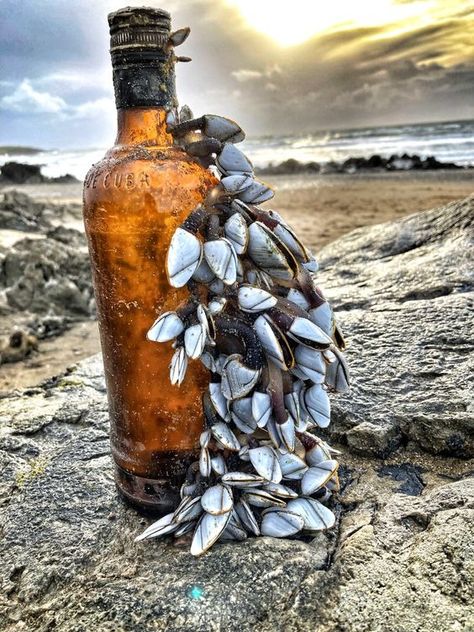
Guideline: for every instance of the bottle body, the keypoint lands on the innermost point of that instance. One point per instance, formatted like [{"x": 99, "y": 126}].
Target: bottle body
[{"x": 133, "y": 201}]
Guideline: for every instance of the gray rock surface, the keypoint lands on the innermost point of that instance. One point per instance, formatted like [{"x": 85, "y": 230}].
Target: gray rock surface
[
  {"x": 401, "y": 558},
  {"x": 45, "y": 280},
  {"x": 404, "y": 293}
]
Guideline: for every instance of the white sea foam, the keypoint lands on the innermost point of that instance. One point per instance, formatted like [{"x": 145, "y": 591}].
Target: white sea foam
[{"x": 448, "y": 142}]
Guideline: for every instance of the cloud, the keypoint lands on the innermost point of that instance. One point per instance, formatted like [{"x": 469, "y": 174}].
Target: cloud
[
  {"x": 246, "y": 75},
  {"x": 95, "y": 108},
  {"x": 26, "y": 99},
  {"x": 56, "y": 83}
]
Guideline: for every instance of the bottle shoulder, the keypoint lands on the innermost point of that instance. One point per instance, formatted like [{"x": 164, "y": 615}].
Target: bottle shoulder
[{"x": 137, "y": 171}]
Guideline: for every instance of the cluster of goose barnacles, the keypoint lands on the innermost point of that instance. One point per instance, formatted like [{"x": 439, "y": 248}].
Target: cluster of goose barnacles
[{"x": 265, "y": 332}]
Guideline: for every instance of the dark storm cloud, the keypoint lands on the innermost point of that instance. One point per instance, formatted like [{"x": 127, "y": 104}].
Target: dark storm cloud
[{"x": 55, "y": 85}]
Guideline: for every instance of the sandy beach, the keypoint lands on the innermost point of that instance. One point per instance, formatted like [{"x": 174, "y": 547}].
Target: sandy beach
[{"x": 320, "y": 207}]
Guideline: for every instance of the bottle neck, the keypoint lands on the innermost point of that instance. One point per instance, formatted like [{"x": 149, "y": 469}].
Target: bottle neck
[
  {"x": 144, "y": 79},
  {"x": 143, "y": 126}
]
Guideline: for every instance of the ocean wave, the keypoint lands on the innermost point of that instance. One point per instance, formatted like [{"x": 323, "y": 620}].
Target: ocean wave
[{"x": 451, "y": 141}]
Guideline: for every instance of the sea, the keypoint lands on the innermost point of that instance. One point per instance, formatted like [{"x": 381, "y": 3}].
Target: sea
[{"x": 449, "y": 141}]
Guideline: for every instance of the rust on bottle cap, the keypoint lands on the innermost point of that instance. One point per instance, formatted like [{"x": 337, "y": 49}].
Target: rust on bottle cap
[{"x": 142, "y": 28}]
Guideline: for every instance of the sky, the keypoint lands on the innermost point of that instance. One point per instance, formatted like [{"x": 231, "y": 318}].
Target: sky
[{"x": 275, "y": 66}]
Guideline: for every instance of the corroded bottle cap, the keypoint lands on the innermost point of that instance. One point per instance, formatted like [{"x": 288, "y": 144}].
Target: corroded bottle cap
[
  {"x": 142, "y": 58},
  {"x": 139, "y": 28}
]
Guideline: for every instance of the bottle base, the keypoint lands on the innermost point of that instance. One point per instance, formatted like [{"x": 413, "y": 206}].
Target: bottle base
[{"x": 150, "y": 496}]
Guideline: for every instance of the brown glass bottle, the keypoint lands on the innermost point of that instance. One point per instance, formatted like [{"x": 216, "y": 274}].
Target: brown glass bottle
[{"x": 133, "y": 201}]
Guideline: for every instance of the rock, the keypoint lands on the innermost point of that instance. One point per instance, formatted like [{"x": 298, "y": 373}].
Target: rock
[
  {"x": 46, "y": 276},
  {"x": 19, "y": 212},
  {"x": 355, "y": 164},
  {"x": 19, "y": 173},
  {"x": 290, "y": 166},
  {"x": 404, "y": 293},
  {"x": 18, "y": 346},
  {"x": 45, "y": 280},
  {"x": 401, "y": 555}
]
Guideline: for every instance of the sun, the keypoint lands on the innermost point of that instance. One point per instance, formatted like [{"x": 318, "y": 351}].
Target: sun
[{"x": 291, "y": 22}]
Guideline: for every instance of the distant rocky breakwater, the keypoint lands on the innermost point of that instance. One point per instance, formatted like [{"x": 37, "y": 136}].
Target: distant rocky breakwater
[
  {"x": 21, "y": 173},
  {"x": 375, "y": 163}
]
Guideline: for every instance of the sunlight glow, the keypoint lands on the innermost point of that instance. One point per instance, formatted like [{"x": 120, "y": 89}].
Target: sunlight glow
[{"x": 291, "y": 22}]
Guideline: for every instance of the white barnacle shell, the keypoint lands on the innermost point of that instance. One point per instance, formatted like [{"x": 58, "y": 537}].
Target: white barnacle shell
[
  {"x": 281, "y": 523},
  {"x": 218, "y": 464},
  {"x": 256, "y": 193},
  {"x": 225, "y": 436},
  {"x": 269, "y": 341},
  {"x": 265, "y": 462},
  {"x": 166, "y": 327},
  {"x": 254, "y": 299},
  {"x": 311, "y": 363},
  {"x": 195, "y": 340},
  {"x": 262, "y": 498},
  {"x": 320, "y": 452},
  {"x": 305, "y": 329},
  {"x": 233, "y": 185},
  {"x": 205, "y": 462},
  {"x": 204, "y": 438},
  {"x": 288, "y": 434},
  {"x": 237, "y": 379},
  {"x": 163, "y": 526},
  {"x": 316, "y": 401},
  {"x": 188, "y": 509},
  {"x": 178, "y": 366},
  {"x": 311, "y": 265},
  {"x": 323, "y": 317},
  {"x": 234, "y": 532},
  {"x": 231, "y": 161},
  {"x": 298, "y": 298},
  {"x": 224, "y": 129},
  {"x": 179, "y": 36},
  {"x": 261, "y": 408},
  {"x": 217, "y": 500},
  {"x": 222, "y": 259},
  {"x": 216, "y": 305},
  {"x": 317, "y": 476},
  {"x": 209, "y": 529},
  {"x": 237, "y": 233},
  {"x": 220, "y": 403},
  {"x": 264, "y": 251},
  {"x": 242, "y": 415},
  {"x": 282, "y": 491},
  {"x": 208, "y": 360},
  {"x": 292, "y": 466},
  {"x": 184, "y": 256},
  {"x": 247, "y": 518},
  {"x": 315, "y": 515},
  {"x": 203, "y": 273},
  {"x": 242, "y": 480},
  {"x": 337, "y": 373},
  {"x": 291, "y": 241}
]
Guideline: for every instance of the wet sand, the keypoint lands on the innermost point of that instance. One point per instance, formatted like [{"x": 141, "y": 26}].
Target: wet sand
[{"x": 320, "y": 209}]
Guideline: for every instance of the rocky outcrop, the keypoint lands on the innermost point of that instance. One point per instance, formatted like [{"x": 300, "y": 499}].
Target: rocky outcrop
[
  {"x": 21, "y": 173},
  {"x": 45, "y": 279},
  {"x": 401, "y": 556},
  {"x": 404, "y": 162},
  {"x": 404, "y": 293}
]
